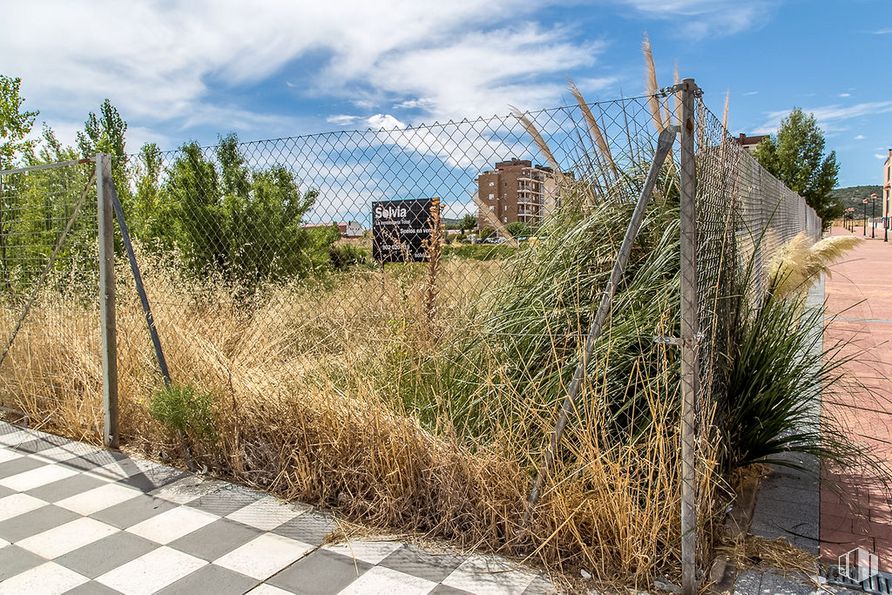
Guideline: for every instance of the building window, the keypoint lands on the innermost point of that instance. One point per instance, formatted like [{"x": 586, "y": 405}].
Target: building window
[
  {"x": 504, "y": 219},
  {"x": 491, "y": 196},
  {"x": 491, "y": 184},
  {"x": 492, "y": 208}
]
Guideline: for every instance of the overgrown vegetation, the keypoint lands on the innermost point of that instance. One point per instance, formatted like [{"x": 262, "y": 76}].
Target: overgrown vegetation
[{"x": 421, "y": 396}]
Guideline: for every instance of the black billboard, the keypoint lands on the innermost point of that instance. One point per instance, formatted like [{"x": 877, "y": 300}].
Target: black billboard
[{"x": 401, "y": 229}]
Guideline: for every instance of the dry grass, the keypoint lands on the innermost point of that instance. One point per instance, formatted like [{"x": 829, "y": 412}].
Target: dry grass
[
  {"x": 302, "y": 382},
  {"x": 799, "y": 262}
]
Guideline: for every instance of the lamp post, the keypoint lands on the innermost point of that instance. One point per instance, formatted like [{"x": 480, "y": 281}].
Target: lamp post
[
  {"x": 873, "y": 215},
  {"x": 864, "y": 202}
]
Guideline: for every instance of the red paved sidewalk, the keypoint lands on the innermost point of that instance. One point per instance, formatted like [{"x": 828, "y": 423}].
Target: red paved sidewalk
[{"x": 859, "y": 292}]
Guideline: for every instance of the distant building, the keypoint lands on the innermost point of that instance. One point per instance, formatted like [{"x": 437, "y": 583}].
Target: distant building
[
  {"x": 517, "y": 190},
  {"x": 887, "y": 185},
  {"x": 749, "y": 142},
  {"x": 348, "y": 229}
]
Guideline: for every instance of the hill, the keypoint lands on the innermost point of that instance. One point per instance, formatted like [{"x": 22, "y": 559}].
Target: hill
[{"x": 851, "y": 196}]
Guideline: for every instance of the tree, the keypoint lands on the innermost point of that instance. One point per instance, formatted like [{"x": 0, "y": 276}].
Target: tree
[
  {"x": 796, "y": 157},
  {"x": 105, "y": 133},
  {"x": 15, "y": 124},
  {"x": 225, "y": 218},
  {"x": 467, "y": 223},
  {"x": 519, "y": 229}
]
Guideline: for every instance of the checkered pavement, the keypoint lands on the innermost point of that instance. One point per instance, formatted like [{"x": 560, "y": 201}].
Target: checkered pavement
[{"x": 79, "y": 519}]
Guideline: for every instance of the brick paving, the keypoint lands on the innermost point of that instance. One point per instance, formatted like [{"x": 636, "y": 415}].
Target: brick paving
[
  {"x": 855, "y": 511},
  {"x": 78, "y": 519}
]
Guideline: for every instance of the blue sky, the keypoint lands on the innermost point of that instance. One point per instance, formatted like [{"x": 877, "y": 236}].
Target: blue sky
[{"x": 181, "y": 70}]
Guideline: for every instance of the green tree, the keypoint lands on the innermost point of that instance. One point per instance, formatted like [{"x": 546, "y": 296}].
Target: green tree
[
  {"x": 105, "y": 133},
  {"x": 225, "y": 218},
  {"x": 796, "y": 157},
  {"x": 519, "y": 229},
  {"x": 15, "y": 123},
  {"x": 467, "y": 223},
  {"x": 150, "y": 215},
  {"x": 15, "y": 146}
]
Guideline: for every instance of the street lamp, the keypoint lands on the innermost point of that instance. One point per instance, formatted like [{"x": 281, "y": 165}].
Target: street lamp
[
  {"x": 864, "y": 202},
  {"x": 873, "y": 215}
]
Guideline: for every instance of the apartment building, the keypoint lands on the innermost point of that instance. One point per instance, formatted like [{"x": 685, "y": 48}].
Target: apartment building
[
  {"x": 750, "y": 142},
  {"x": 887, "y": 186},
  {"x": 517, "y": 190}
]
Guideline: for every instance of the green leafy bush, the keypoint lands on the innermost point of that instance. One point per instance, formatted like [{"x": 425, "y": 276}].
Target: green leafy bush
[
  {"x": 344, "y": 256},
  {"x": 223, "y": 217},
  {"x": 185, "y": 410}
]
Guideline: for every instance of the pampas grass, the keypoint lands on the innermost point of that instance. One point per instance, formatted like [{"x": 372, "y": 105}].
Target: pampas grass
[
  {"x": 650, "y": 84},
  {"x": 798, "y": 263},
  {"x": 594, "y": 130}
]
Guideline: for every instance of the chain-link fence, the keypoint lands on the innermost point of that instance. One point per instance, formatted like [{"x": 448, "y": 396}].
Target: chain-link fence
[
  {"x": 48, "y": 287},
  {"x": 745, "y": 216},
  {"x": 449, "y": 271}
]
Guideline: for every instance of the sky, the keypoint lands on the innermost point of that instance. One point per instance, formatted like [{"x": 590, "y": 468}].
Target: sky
[{"x": 180, "y": 70}]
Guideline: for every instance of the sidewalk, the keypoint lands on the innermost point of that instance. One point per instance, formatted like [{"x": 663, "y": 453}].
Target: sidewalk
[
  {"x": 79, "y": 519},
  {"x": 859, "y": 294}
]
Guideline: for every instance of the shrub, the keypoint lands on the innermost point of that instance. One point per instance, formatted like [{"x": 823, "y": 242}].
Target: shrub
[
  {"x": 519, "y": 229},
  {"x": 183, "y": 410},
  {"x": 344, "y": 256}
]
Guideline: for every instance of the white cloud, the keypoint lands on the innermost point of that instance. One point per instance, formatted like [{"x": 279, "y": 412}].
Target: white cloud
[
  {"x": 845, "y": 94},
  {"x": 384, "y": 122},
  {"x": 700, "y": 18},
  {"x": 342, "y": 119},
  {"x": 829, "y": 116},
  {"x": 880, "y": 156},
  {"x": 421, "y": 102},
  {"x": 860, "y": 137},
  {"x": 883, "y": 32},
  {"x": 750, "y": 93},
  {"x": 168, "y": 61}
]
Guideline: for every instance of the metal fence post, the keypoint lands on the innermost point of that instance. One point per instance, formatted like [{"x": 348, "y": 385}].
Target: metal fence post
[
  {"x": 105, "y": 223},
  {"x": 689, "y": 337}
]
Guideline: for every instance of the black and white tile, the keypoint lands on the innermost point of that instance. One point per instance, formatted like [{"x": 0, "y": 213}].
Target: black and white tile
[{"x": 78, "y": 519}]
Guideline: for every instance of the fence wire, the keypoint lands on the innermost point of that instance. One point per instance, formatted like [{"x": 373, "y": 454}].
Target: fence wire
[
  {"x": 745, "y": 216},
  {"x": 262, "y": 267},
  {"x": 48, "y": 286},
  {"x": 257, "y": 251}
]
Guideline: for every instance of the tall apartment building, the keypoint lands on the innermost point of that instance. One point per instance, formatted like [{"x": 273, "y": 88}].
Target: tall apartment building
[{"x": 517, "y": 190}]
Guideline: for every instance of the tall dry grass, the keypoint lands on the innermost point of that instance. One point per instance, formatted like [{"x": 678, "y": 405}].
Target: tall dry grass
[{"x": 307, "y": 403}]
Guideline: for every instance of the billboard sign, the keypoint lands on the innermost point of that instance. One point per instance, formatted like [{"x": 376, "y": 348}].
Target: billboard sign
[{"x": 401, "y": 229}]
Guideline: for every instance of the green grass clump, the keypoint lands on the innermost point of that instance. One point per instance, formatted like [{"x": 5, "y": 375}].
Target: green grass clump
[{"x": 184, "y": 410}]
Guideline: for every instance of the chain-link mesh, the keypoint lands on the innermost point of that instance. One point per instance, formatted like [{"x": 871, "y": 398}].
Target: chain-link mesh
[
  {"x": 745, "y": 215},
  {"x": 48, "y": 284},
  {"x": 261, "y": 263},
  {"x": 344, "y": 265},
  {"x": 278, "y": 233}
]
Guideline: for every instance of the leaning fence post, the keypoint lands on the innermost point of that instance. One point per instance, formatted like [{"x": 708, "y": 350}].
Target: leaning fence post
[
  {"x": 104, "y": 219},
  {"x": 664, "y": 145},
  {"x": 689, "y": 338}
]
